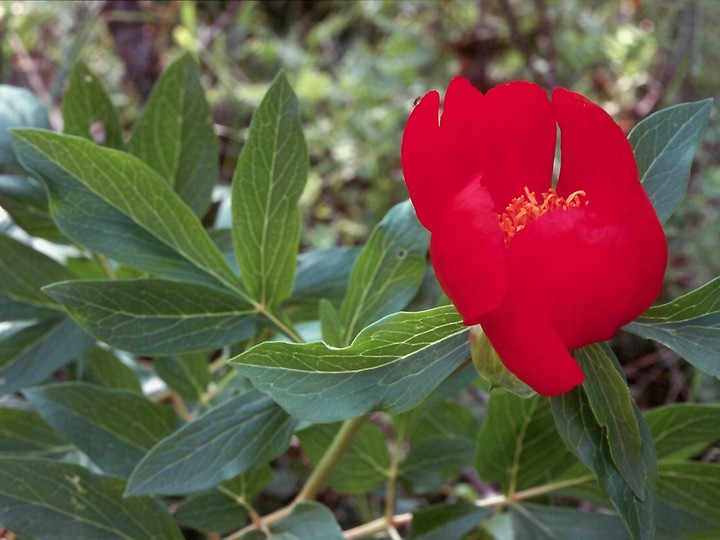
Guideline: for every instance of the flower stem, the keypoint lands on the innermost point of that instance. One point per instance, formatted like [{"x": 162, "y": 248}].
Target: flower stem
[{"x": 332, "y": 455}]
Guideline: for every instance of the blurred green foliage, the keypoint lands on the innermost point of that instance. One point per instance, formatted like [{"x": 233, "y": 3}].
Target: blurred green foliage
[{"x": 357, "y": 67}]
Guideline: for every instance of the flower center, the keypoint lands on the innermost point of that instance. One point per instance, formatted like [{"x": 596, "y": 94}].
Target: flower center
[{"x": 526, "y": 208}]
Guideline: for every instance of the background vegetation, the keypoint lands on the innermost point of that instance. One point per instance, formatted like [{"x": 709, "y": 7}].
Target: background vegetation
[{"x": 357, "y": 67}]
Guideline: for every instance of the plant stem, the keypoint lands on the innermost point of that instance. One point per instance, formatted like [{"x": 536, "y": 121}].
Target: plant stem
[
  {"x": 105, "y": 264},
  {"x": 317, "y": 478},
  {"x": 393, "y": 472},
  {"x": 285, "y": 328},
  {"x": 332, "y": 455},
  {"x": 383, "y": 523}
]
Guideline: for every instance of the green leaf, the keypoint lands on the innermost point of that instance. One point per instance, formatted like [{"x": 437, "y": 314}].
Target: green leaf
[
  {"x": 683, "y": 429},
  {"x": 152, "y": 316},
  {"x": 363, "y": 467},
  {"x": 517, "y": 445},
  {"x": 446, "y": 419},
  {"x": 582, "y": 434},
  {"x": 392, "y": 365},
  {"x": 187, "y": 374},
  {"x": 241, "y": 434},
  {"x": 330, "y": 325},
  {"x": 175, "y": 136},
  {"x": 690, "y": 326},
  {"x": 114, "y": 428},
  {"x": 24, "y": 433},
  {"x": 538, "y": 522},
  {"x": 23, "y": 272},
  {"x": 446, "y": 521},
  {"x": 136, "y": 216},
  {"x": 18, "y": 108},
  {"x": 614, "y": 410},
  {"x": 48, "y": 499},
  {"x": 322, "y": 274},
  {"x": 388, "y": 272},
  {"x": 87, "y": 109},
  {"x": 307, "y": 521},
  {"x": 664, "y": 145},
  {"x": 687, "y": 497},
  {"x": 103, "y": 368},
  {"x": 24, "y": 198},
  {"x": 222, "y": 509},
  {"x": 267, "y": 184},
  {"x": 434, "y": 460},
  {"x": 32, "y": 354}
]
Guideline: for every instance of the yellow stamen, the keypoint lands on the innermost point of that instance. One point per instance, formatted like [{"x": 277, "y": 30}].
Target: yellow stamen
[{"x": 526, "y": 208}]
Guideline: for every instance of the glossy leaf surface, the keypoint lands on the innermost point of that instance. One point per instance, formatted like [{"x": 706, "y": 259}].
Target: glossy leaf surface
[{"x": 392, "y": 365}]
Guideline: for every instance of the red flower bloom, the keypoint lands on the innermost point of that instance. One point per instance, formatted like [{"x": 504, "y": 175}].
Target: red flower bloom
[{"x": 542, "y": 270}]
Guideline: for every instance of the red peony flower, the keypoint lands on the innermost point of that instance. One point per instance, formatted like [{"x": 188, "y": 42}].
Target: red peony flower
[{"x": 544, "y": 270}]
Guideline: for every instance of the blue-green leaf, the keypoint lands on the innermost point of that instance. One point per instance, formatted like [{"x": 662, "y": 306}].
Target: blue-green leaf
[
  {"x": 32, "y": 354},
  {"x": 585, "y": 437},
  {"x": 363, "y": 467},
  {"x": 307, "y": 521},
  {"x": 104, "y": 368},
  {"x": 614, "y": 410},
  {"x": 18, "y": 108},
  {"x": 388, "y": 272},
  {"x": 268, "y": 181},
  {"x": 62, "y": 501},
  {"x": 88, "y": 111},
  {"x": 152, "y": 316},
  {"x": 24, "y": 198},
  {"x": 664, "y": 145},
  {"x": 115, "y": 428},
  {"x": 392, "y": 365},
  {"x": 518, "y": 446},
  {"x": 446, "y": 521},
  {"x": 136, "y": 216},
  {"x": 687, "y": 497},
  {"x": 187, "y": 374},
  {"x": 241, "y": 434},
  {"x": 683, "y": 429},
  {"x": 174, "y": 134},
  {"x": 689, "y": 325},
  {"x": 537, "y": 522},
  {"x": 23, "y": 272},
  {"x": 24, "y": 433}
]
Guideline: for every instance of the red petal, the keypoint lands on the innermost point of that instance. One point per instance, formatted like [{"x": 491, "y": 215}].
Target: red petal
[
  {"x": 652, "y": 252},
  {"x": 468, "y": 253},
  {"x": 583, "y": 272},
  {"x": 460, "y": 135},
  {"x": 531, "y": 349},
  {"x": 420, "y": 159},
  {"x": 596, "y": 155},
  {"x": 518, "y": 141}
]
